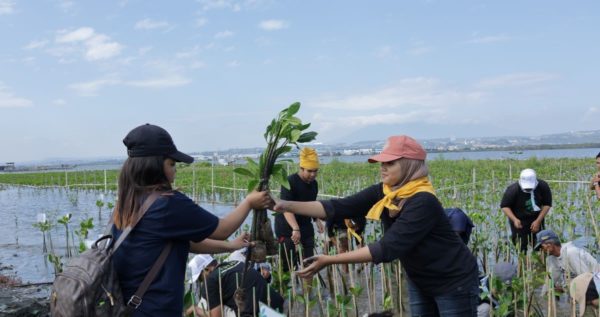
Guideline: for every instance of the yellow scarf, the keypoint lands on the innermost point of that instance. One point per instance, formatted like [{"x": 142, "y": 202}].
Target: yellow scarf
[
  {"x": 409, "y": 189},
  {"x": 351, "y": 231}
]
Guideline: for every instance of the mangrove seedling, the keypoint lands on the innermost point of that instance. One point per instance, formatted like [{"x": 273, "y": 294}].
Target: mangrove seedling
[
  {"x": 64, "y": 220},
  {"x": 82, "y": 233},
  {"x": 43, "y": 225},
  {"x": 283, "y": 131}
]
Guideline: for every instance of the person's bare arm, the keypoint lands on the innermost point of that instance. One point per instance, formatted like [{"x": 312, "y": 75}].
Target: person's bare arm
[
  {"x": 312, "y": 209},
  {"x": 231, "y": 222},
  {"x": 212, "y": 246},
  {"x": 511, "y": 216},
  {"x": 535, "y": 225},
  {"x": 317, "y": 262}
]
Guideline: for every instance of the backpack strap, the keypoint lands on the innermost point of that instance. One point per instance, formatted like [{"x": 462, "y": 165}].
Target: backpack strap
[
  {"x": 145, "y": 206},
  {"x": 135, "y": 300}
]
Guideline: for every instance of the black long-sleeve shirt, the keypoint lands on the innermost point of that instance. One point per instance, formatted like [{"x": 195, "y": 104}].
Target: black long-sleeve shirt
[{"x": 434, "y": 257}]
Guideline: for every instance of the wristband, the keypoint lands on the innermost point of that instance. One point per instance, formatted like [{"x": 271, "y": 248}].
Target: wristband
[{"x": 295, "y": 229}]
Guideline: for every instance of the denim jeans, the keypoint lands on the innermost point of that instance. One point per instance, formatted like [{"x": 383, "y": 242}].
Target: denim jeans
[{"x": 461, "y": 302}]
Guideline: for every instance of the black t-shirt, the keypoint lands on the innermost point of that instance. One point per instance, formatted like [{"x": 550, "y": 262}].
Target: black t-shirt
[
  {"x": 230, "y": 274},
  {"x": 435, "y": 258},
  {"x": 299, "y": 191},
  {"x": 173, "y": 218},
  {"x": 520, "y": 202}
]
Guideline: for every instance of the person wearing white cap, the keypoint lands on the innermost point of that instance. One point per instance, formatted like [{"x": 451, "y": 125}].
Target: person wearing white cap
[
  {"x": 221, "y": 282},
  {"x": 526, "y": 203}
]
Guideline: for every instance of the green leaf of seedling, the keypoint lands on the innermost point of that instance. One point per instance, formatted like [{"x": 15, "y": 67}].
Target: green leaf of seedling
[
  {"x": 243, "y": 171},
  {"x": 252, "y": 165},
  {"x": 292, "y": 109},
  {"x": 294, "y": 121},
  {"x": 187, "y": 298},
  {"x": 252, "y": 185},
  {"x": 283, "y": 150},
  {"x": 303, "y": 127},
  {"x": 356, "y": 291},
  {"x": 281, "y": 179},
  {"x": 307, "y": 137},
  {"x": 295, "y": 135},
  {"x": 299, "y": 298}
]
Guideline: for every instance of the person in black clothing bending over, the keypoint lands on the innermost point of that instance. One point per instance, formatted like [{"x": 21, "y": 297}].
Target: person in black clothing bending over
[
  {"x": 442, "y": 272},
  {"x": 225, "y": 277},
  {"x": 291, "y": 229},
  {"x": 526, "y": 203}
]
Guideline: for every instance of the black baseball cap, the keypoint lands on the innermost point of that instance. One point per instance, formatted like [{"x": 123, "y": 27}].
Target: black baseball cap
[{"x": 152, "y": 140}]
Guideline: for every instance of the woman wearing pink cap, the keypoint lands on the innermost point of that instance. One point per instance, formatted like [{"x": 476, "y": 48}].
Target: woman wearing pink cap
[{"x": 442, "y": 272}]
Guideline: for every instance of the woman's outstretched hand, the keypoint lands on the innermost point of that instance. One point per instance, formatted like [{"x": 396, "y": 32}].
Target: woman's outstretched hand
[
  {"x": 241, "y": 241},
  {"x": 260, "y": 200},
  {"x": 315, "y": 264}
]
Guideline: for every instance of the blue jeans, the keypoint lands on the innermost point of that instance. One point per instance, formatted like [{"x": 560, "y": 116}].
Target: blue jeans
[{"x": 461, "y": 302}]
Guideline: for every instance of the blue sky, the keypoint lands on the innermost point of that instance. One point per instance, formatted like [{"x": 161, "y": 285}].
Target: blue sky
[{"x": 76, "y": 76}]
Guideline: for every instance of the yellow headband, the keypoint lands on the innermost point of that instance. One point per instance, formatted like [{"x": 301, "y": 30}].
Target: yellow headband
[{"x": 309, "y": 158}]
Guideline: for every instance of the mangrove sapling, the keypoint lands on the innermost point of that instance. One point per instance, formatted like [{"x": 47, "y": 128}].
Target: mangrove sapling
[
  {"x": 283, "y": 131},
  {"x": 99, "y": 204},
  {"x": 44, "y": 226},
  {"x": 64, "y": 220},
  {"x": 82, "y": 233}
]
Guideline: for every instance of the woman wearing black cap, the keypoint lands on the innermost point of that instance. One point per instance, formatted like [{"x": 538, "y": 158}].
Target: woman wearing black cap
[
  {"x": 442, "y": 272},
  {"x": 173, "y": 217}
]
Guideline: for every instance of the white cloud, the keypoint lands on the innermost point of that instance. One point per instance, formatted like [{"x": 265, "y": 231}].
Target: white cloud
[
  {"x": 91, "y": 88},
  {"x": 9, "y": 100},
  {"x": 516, "y": 79},
  {"x": 200, "y": 22},
  {"x": 96, "y": 46},
  {"x": 148, "y": 24},
  {"x": 35, "y": 44},
  {"x": 100, "y": 47},
  {"x": 420, "y": 49},
  {"x": 7, "y": 7},
  {"x": 476, "y": 39},
  {"x": 223, "y": 34},
  {"x": 406, "y": 94},
  {"x": 233, "y": 5},
  {"x": 233, "y": 64},
  {"x": 384, "y": 51},
  {"x": 160, "y": 82},
  {"x": 591, "y": 114},
  {"x": 59, "y": 102},
  {"x": 411, "y": 100},
  {"x": 78, "y": 35},
  {"x": 273, "y": 25}
]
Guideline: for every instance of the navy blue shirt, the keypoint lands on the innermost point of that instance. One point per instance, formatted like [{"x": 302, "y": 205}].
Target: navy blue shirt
[{"x": 173, "y": 218}]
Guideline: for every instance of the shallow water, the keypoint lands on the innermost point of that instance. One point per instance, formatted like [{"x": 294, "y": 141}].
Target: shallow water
[{"x": 21, "y": 244}]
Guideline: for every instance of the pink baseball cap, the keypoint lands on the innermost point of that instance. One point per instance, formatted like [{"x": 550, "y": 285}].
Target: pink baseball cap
[{"x": 399, "y": 146}]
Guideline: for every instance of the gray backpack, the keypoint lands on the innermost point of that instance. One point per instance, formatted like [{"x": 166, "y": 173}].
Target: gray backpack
[{"x": 88, "y": 285}]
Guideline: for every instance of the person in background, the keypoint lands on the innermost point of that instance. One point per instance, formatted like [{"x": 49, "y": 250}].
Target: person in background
[
  {"x": 526, "y": 204},
  {"x": 173, "y": 217},
  {"x": 595, "y": 183},
  {"x": 460, "y": 222},
  {"x": 584, "y": 291},
  {"x": 442, "y": 272},
  {"x": 293, "y": 230},
  {"x": 220, "y": 283},
  {"x": 565, "y": 260},
  {"x": 341, "y": 233}
]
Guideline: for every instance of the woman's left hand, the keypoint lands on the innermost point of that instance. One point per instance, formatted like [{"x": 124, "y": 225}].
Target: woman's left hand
[
  {"x": 260, "y": 200},
  {"x": 316, "y": 262}
]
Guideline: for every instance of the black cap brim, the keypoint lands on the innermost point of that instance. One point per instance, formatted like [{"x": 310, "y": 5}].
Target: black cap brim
[
  {"x": 537, "y": 246},
  {"x": 180, "y": 157}
]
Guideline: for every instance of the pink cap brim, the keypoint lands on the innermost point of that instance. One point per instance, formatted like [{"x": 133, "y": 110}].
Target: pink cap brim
[{"x": 383, "y": 157}]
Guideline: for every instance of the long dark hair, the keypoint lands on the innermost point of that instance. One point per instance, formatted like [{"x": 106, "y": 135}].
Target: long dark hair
[{"x": 139, "y": 176}]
